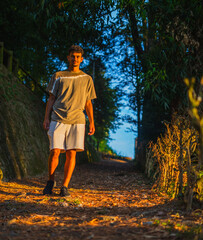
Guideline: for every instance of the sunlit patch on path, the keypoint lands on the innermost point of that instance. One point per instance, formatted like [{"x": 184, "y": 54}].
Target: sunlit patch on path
[{"x": 109, "y": 200}]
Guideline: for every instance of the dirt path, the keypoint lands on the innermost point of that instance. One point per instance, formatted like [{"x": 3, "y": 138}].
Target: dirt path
[{"x": 109, "y": 200}]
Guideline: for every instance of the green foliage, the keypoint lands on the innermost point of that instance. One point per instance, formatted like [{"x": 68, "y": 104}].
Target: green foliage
[
  {"x": 160, "y": 46},
  {"x": 70, "y": 22},
  {"x": 44, "y": 30},
  {"x": 174, "y": 49},
  {"x": 27, "y": 37},
  {"x": 105, "y": 148}
]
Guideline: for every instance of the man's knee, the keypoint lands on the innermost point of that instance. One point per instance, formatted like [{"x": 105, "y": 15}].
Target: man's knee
[
  {"x": 55, "y": 152},
  {"x": 71, "y": 153}
]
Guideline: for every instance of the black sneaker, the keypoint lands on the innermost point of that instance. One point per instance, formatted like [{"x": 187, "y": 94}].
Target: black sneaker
[
  {"x": 50, "y": 185},
  {"x": 64, "y": 192}
]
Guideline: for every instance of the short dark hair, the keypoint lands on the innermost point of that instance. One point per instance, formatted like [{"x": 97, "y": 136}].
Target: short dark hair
[{"x": 75, "y": 48}]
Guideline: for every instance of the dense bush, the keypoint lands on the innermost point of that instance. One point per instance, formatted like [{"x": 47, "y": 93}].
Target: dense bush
[{"x": 173, "y": 160}]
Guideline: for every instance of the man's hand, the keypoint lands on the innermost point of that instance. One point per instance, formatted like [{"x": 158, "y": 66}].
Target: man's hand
[
  {"x": 49, "y": 107},
  {"x": 89, "y": 111},
  {"x": 91, "y": 129},
  {"x": 46, "y": 124}
]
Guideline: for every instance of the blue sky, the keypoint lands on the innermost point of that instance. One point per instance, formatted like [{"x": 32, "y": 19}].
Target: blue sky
[{"x": 123, "y": 142}]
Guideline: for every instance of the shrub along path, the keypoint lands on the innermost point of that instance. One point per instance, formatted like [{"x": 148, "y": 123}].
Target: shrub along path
[{"x": 109, "y": 200}]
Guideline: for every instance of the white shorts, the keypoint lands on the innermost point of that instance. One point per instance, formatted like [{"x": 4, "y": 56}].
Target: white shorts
[{"x": 66, "y": 136}]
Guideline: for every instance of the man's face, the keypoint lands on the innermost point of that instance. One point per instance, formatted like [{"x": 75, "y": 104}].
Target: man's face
[{"x": 74, "y": 59}]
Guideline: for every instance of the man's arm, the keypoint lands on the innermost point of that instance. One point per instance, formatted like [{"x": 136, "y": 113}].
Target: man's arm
[
  {"x": 89, "y": 111},
  {"x": 49, "y": 106}
]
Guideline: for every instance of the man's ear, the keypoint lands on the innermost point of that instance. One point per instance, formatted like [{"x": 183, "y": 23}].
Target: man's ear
[
  {"x": 68, "y": 57},
  {"x": 82, "y": 59}
]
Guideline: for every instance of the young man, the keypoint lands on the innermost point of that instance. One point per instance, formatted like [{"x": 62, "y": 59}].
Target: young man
[{"x": 71, "y": 92}]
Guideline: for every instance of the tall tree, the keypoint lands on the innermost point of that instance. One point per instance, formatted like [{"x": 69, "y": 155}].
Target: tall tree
[
  {"x": 27, "y": 37},
  {"x": 165, "y": 44},
  {"x": 40, "y": 32}
]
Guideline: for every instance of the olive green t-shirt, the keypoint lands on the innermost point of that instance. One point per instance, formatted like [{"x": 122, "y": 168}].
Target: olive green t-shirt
[{"x": 72, "y": 90}]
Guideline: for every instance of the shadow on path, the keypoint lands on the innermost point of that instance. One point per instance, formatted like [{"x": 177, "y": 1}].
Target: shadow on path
[{"x": 109, "y": 200}]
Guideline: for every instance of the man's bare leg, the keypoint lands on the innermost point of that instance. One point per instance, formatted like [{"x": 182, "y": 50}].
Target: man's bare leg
[
  {"x": 53, "y": 162},
  {"x": 69, "y": 166},
  {"x": 52, "y": 165}
]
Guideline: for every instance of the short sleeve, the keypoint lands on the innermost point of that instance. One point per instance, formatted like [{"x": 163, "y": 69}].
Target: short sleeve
[
  {"x": 53, "y": 85},
  {"x": 91, "y": 94}
]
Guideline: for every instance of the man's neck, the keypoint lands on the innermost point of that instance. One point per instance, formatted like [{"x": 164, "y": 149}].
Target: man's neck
[{"x": 74, "y": 69}]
